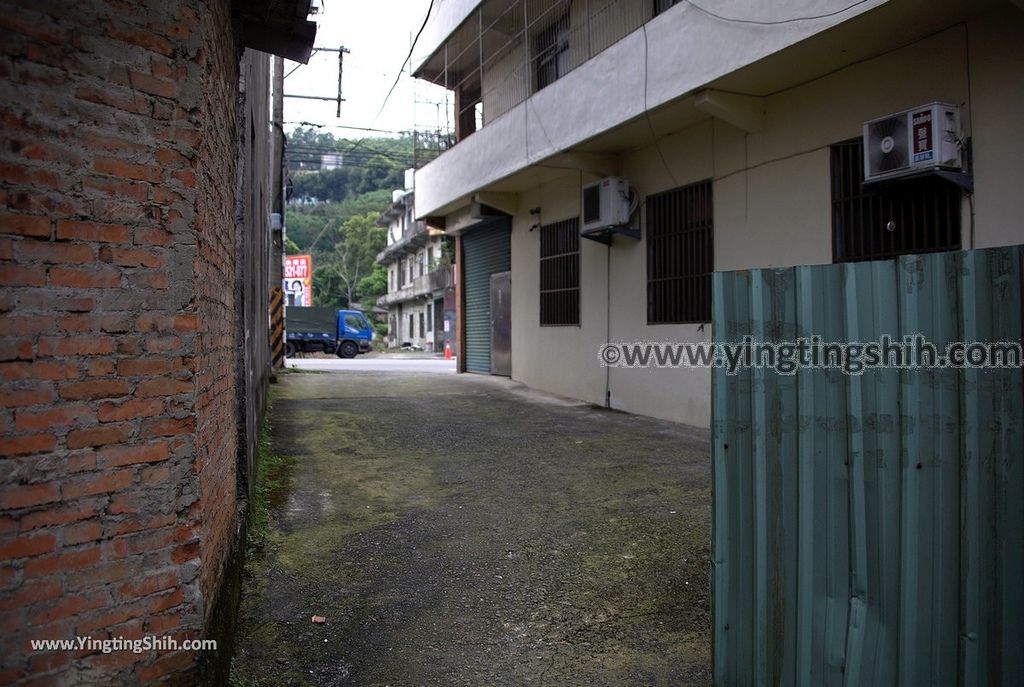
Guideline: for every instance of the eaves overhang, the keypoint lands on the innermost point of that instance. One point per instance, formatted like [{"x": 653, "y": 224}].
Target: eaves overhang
[{"x": 277, "y": 27}]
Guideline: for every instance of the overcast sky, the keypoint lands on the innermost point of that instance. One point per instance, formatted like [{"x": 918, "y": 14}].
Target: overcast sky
[{"x": 378, "y": 34}]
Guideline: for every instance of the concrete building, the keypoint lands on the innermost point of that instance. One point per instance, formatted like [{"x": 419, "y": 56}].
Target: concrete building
[
  {"x": 420, "y": 301},
  {"x": 135, "y": 248},
  {"x": 737, "y": 126}
]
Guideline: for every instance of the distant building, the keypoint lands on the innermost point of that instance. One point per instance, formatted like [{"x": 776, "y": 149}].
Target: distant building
[
  {"x": 330, "y": 161},
  {"x": 420, "y": 301}
]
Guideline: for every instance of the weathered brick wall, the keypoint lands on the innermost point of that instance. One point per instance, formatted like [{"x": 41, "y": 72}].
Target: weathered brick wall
[
  {"x": 118, "y": 333},
  {"x": 215, "y": 298}
]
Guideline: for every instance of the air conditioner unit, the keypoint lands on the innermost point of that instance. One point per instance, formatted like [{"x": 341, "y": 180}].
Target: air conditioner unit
[
  {"x": 912, "y": 141},
  {"x": 606, "y": 203}
]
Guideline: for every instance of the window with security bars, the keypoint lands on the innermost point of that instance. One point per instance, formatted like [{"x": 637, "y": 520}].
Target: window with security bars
[
  {"x": 560, "y": 273},
  {"x": 680, "y": 234},
  {"x": 551, "y": 51},
  {"x": 920, "y": 215}
]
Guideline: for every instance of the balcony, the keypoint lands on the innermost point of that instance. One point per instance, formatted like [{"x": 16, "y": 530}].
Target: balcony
[
  {"x": 574, "y": 88},
  {"x": 506, "y": 50},
  {"x": 412, "y": 240},
  {"x": 424, "y": 285}
]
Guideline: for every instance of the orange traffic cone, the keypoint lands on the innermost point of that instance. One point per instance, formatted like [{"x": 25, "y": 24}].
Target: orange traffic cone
[{"x": 447, "y": 350}]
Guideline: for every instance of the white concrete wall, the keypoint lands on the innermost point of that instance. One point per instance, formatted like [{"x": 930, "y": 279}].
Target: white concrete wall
[
  {"x": 996, "y": 45},
  {"x": 772, "y": 204},
  {"x": 559, "y": 359}
]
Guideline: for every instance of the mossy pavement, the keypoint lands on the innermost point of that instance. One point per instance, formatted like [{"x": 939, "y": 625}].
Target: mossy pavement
[{"x": 455, "y": 530}]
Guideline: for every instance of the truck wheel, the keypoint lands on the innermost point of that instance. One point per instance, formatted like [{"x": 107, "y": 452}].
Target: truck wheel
[
  {"x": 348, "y": 349},
  {"x": 290, "y": 350}
]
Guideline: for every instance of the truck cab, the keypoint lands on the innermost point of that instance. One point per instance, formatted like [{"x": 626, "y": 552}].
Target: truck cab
[{"x": 355, "y": 335}]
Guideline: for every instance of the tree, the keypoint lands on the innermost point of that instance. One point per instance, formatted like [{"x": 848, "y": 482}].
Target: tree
[
  {"x": 367, "y": 164},
  {"x": 372, "y": 286},
  {"x": 328, "y": 289},
  {"x": 356, "y": 253}
]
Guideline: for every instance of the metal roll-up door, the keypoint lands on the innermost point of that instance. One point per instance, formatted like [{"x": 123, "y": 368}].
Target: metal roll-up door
[{"x": 485, "y": 250}]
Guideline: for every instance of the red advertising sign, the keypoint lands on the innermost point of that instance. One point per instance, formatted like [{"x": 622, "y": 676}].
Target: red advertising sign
[{"x": 298, "y": 280}]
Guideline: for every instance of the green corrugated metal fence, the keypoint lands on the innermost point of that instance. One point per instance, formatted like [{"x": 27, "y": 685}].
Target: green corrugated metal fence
[
  {"x": 869, "y": 529},
  {"x": 485, "y": 250}
]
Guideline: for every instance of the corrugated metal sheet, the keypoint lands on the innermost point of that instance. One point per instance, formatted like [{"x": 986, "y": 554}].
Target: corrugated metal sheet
[
  {"x": 485, "y": 250},
  {"x": 869, "y": 530}
]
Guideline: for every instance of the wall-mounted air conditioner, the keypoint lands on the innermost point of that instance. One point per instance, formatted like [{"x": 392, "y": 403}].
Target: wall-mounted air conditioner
[
  {"x": 910, "y": 142},
  {"x": 607, "y": 207},
  {"x": 605, "y": 203}
]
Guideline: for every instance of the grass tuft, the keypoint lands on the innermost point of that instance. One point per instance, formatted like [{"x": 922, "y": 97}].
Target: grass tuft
[{"x": 272, "y": 475}]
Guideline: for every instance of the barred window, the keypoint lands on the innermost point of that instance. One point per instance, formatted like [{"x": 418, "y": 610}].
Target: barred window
[
  {"x": 551, "y": 51},
  {"x": 560, "y": 273},
  {"x": 925, "y": 212},
  {"x": 680, "y": 260}
]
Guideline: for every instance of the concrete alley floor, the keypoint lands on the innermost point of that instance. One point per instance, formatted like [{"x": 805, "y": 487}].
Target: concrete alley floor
[{"x": 462, "y": 530}]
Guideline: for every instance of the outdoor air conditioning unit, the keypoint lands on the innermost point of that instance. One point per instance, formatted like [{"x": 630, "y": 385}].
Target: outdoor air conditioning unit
[
  {"x": 605, "y": 204},
  {"x": 910, "y": 142}
]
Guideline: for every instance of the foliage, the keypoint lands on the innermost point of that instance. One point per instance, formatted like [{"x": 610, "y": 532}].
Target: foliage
[
  {"x": 336, "y": 185},
  {"x": 357, "y": 252},
  {"x": 328, "y": 289},
  {"x": 366, "y": 165},
  {"x": 372, "y": 286},
  {"x": 338, "y": 273},
  {"x": 306, "y": 222},
  {"x": 332, "y": 214}
]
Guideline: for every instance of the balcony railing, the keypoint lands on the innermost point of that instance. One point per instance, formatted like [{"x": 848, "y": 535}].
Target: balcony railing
[
  {"x": 413, "y": 238},
  {"x": 442, "y": 278},
  {"x": 436, "y": 280}
]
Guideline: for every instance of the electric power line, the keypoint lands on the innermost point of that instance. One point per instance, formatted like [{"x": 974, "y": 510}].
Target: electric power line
[
  {"x": 756, "y": 22},
  {"x": 405, "y": 61},
  {"x": 343, "y": 126}
]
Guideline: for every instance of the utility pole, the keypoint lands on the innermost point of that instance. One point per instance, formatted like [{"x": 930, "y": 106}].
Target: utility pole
[{"x": 342, "y": 51}]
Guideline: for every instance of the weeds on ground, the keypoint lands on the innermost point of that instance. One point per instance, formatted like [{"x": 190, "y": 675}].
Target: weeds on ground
[{"x": 271, "y": 478}]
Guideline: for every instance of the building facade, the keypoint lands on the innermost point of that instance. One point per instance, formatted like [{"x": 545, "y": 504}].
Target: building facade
[
  {"x": 420, "y": 301},
  {"x": 738, "y": 127},
  {"x": 134, "y": 261}
]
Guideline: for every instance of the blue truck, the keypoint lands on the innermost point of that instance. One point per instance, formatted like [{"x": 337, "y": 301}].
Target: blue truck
[{"x": 346, "y": 333}]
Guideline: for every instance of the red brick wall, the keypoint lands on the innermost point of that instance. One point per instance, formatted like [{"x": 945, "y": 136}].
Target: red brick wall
[
  {"x": 217, "y": 433},
  {"x": 117, "y": 340}
]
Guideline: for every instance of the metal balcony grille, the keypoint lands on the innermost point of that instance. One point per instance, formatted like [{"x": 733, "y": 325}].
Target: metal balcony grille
[
  {"x": 560, "y": 273},
  {"x": 552, "y": 51},
  {"x": 925, "y": 212},
  {"x": 680, "y": 260},
  {"x": 505, "y": 51}
]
